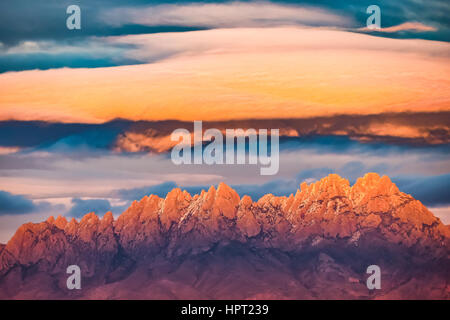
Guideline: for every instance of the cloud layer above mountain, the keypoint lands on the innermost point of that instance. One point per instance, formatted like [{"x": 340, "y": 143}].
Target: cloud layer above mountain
[
  {"x": 226, "y": 15},
  {"x": 237, "y": 73},
  {"x": 49, "y": 44}
]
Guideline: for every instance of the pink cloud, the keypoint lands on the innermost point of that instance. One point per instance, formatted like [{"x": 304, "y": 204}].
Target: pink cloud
[{"x": 407, "y": 26}]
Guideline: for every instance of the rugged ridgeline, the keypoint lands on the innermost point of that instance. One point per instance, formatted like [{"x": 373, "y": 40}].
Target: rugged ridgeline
[{"x": 314, "y": 244}]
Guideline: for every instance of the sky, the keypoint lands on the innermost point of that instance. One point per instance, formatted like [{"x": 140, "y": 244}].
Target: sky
[{"x": 85, "y": 115}]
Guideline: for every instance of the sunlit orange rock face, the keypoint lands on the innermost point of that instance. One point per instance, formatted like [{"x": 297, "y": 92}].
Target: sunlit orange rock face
[{"x": 215, "y": 245}]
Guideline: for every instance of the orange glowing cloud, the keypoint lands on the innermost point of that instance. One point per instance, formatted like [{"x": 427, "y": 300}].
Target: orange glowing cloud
[{"x": 240, "y": 73}]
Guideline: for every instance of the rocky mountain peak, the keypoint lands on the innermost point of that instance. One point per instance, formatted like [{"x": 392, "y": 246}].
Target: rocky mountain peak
[{"x": 324, "y": 216}]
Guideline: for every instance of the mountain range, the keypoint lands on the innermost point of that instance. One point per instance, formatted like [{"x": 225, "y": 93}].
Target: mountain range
[{"x": 315, "y": 244}]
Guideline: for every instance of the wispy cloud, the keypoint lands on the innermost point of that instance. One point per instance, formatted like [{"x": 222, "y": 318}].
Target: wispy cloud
[
  {"x": 48, "y": 54},
  {"x": 226, "y": 15},
  {"x": 407, "y": 26}
]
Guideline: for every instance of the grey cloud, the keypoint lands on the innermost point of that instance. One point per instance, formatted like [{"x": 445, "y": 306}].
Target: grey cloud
[
  {"x": 15, "y": 204},
  {"x": 81, "y": 207},
  {"x": 19, "y": 204},
  {"x": 431, "y": 190}
]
